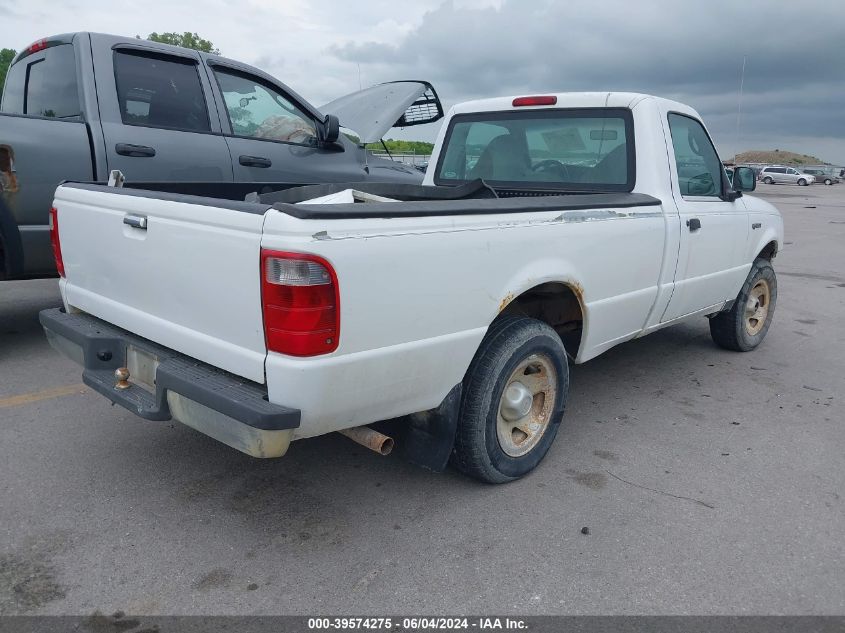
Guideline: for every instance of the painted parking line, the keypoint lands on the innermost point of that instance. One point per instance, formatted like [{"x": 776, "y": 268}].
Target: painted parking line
[{"x": 45, "y": 394}]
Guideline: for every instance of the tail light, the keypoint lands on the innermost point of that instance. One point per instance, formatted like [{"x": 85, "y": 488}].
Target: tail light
[
  {"x": 54, "y": 241},
  {"x": 301, "y": 304}
]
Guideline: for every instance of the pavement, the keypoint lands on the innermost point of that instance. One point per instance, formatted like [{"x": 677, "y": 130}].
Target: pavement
[{"x": 711, "y": 482}]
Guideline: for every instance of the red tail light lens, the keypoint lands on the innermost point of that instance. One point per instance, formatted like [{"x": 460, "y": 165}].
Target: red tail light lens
[
  {"x": 301, "y": 304},
  {"x": 535, "y": 101},
  {"x": 54, "y": 241}
]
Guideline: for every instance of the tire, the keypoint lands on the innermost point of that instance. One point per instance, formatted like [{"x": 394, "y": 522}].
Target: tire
[
  {"x": 489, "y": 446},
  {"x": 768, "y": 180},
  {"x": 802, "y": 182},
  {"x": 828, "y": 181},
  {"x": 740, "y": 329}
]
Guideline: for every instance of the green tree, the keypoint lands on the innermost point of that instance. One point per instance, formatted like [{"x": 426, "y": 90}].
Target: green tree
[
  {"x": 6, "y": 57},
  {"x": 185, "y": 40}
]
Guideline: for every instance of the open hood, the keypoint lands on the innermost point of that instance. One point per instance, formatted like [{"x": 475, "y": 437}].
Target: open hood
[{"x": 372, "y": 112}]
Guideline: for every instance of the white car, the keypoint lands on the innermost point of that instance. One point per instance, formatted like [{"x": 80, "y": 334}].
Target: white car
[
  {"x": 551, "y": 229},
  {"x": 785, "y": 175}
]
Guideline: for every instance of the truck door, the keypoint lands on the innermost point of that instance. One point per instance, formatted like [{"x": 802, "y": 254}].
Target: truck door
[
  {"x": 156, "y": 119},
  {"x": 272, "y": 138},
  {"x": 711, "y": 266}
]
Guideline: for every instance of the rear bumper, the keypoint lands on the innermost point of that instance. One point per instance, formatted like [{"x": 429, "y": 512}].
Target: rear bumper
[{"x": 230, "y": 409}]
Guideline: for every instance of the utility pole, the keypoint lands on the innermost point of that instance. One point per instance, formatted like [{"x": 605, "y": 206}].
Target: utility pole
[{"x": 739, "y": 104}]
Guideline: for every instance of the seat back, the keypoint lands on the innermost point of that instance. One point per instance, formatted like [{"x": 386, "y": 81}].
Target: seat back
[{"x": 504, "y": 158}]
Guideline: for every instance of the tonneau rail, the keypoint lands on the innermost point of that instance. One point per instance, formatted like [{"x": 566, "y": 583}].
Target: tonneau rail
[{"x": 487, "y": 206}]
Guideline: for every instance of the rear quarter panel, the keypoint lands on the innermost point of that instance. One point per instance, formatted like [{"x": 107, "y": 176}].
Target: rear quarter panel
[
  {"x": 43, "y": 152},
  {"x": 418, "y": 294}
]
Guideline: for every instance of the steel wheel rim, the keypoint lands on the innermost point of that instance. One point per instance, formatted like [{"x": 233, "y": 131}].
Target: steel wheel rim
[
  {"x": 526, "y": 405},
  {"x": 757, "y": 307}
]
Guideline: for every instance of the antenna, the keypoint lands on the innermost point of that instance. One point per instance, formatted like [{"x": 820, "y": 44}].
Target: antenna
[
  {"x": 360, "y": 87},
  {"x": 739, "y": 104}
]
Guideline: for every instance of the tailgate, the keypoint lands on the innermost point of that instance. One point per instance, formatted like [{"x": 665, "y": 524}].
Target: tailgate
[{"x": 189, "y": 280}]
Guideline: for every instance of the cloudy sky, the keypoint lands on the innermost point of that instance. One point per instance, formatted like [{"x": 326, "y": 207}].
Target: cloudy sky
[{"x": 793, "y": 92}]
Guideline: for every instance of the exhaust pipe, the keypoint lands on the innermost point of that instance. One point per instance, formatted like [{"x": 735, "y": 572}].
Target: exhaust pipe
[{"x": 365, "y": 436}]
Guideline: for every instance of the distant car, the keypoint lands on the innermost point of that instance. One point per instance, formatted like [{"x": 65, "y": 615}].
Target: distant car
[
  {"x": 822, "y": 176},
  {"x": 785, "y": 175}
]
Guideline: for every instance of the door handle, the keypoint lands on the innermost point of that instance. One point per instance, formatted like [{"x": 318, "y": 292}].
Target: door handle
[
  {"x": 756, "y": 225},
  {"x": 694, "y": 224},
  {"x": 137, "y": 151},
  {"x": 137, "y": 221},
  {"x": 254, "y": 161}
]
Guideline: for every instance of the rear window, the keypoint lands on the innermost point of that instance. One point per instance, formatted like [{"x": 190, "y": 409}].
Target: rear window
[
  {"x": 160, "y": 91},
  {"x": 44, "y": 85},
  {"x": 587, "y": 149}
]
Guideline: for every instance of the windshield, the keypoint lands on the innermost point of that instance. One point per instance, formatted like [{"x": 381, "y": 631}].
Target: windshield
[{"x": 588, "y": 149}]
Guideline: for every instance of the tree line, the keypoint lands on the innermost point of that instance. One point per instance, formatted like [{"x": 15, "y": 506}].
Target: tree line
[{"x": 404, "y": 147}]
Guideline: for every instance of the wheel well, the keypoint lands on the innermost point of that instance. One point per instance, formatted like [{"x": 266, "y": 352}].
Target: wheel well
[
  {"x": 557, "y": 304},
  {"x": 769, "y": 251}
]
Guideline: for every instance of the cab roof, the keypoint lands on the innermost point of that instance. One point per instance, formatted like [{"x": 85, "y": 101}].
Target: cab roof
[{"x": 569, "y": 100}]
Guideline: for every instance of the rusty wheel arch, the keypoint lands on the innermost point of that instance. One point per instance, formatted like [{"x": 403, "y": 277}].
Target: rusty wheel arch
[{"x": 558, "y": 304}]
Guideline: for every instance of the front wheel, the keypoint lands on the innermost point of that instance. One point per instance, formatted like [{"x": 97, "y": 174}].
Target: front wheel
[
  {"x": 513, "y": 400},
  {"x": 768, "y": 180},
  {"x": 744, "y": 326},
  {"x": 802, "y": 182},
  {"x": 828, "y": 181}
]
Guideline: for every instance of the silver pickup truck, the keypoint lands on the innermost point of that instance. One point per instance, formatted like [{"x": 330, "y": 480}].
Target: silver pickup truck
[{"x": 77, "y": 106}]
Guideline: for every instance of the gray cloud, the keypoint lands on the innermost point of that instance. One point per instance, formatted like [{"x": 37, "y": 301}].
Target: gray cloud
[
  {"x": 794, "y": 82},
  {"x": 794, "y": 89}
]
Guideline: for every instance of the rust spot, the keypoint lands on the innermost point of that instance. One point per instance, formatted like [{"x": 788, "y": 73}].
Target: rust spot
[
  {"x": 8, "y": 178},
  {"x": 504, "y": 303},
  {"x": 578, "y": 289}
]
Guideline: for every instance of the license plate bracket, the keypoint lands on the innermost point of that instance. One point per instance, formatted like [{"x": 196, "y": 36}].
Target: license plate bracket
[{"x": 142, "y": 368}]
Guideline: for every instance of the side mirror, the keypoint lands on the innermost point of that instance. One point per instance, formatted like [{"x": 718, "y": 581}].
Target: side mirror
[
  {"x": 331, "y": 129},
  {"x": 744, "y": 179}
]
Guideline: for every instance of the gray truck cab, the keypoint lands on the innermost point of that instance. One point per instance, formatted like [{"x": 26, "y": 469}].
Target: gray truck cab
[{"x": 77, "y": 106}]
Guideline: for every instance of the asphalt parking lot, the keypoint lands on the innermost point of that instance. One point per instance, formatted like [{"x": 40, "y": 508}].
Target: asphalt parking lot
[{"x": 711, "y": 482}]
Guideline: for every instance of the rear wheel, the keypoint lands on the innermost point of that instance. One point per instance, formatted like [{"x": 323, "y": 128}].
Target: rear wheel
[
  {"x": 744, "y": 326},
  {"x": 513, "y": 400},
  {"x": 802, "y": 182},
  {"x": 768, "y": 180}
]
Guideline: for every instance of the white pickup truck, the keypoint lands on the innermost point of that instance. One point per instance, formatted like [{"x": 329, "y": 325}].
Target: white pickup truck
[{"x": 549, "y": 229}]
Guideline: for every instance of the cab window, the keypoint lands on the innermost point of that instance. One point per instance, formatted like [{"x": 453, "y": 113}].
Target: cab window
[
  {"x": 160, "y": 91},
  {"x": 699, "y": 169},
  {"x": 44, "y": 85},
  {"x": 259, "y": 111},
  {"x": 563, "y": 149}
]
